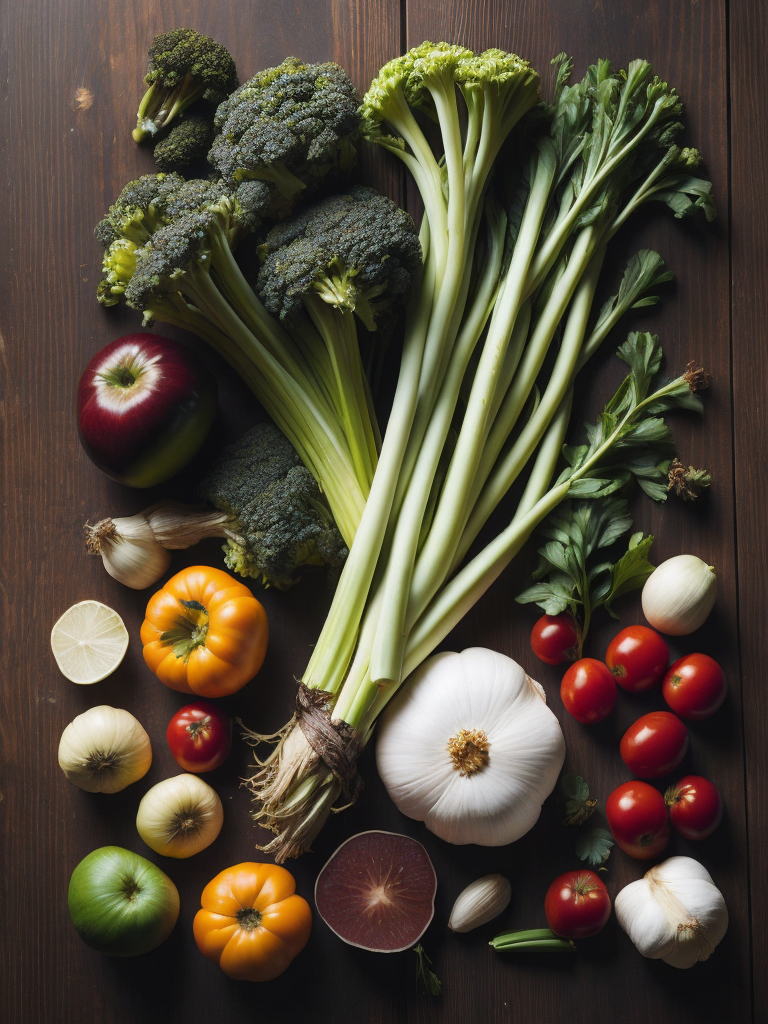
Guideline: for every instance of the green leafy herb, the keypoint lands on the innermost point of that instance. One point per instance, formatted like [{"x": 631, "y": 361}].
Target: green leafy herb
[
  {"x": 579, "y": 806},
  {"x": 425, "y": 976},
  {"x": 570, "y": 578},
  {"x": 595, "y": 847}
]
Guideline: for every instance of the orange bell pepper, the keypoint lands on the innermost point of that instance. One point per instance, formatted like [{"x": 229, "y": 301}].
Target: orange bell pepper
[
  {"x": 252, "y": 922},
  {"x": 204, "y": 633}
]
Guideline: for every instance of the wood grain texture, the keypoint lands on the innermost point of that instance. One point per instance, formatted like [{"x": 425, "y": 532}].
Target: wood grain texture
[{"x": 68, "y": 104}]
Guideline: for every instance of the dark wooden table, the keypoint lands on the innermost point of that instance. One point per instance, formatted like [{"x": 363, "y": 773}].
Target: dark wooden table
[{"x": 70, "y": 82}]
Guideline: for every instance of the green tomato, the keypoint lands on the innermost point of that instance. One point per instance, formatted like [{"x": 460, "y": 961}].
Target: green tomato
[{"x": 121, "y": 903}]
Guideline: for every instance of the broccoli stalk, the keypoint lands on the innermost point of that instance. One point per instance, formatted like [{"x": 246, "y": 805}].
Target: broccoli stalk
[
  {"x": 265, "y": 503},
  {"x": 183, "y": 66}
]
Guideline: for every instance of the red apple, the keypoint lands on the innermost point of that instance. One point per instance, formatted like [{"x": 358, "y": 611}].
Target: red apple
[{"x": 145, "y": 405}]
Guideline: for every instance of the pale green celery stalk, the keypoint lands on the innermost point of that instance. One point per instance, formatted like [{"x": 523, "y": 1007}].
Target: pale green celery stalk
[
  {"x": 338, "y": 329},
  {"x": 472, "y": 581},
  {"x": 370, "y": 700},
  {"x": 456, "y": 501},
  {"x": 429, "y": 333},
  {"x": 313, "y": 433},
  {"x": 494, "y": 475},
  {"x": 471, "y": 330},
  {"x": 386, "y": 660}
]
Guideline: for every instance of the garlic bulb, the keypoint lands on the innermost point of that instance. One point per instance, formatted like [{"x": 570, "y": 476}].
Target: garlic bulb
[
  {"x": 470, "y": 748},
  {"x": 675, "y": 913},
  {"x": 180, "y": 816},
  {"x": 136, "y": 550},
  {"x": 129, "y": 550},
  {"x": 679, "y": 595},
  {"x": 480, "y": 902},
  {"x": 104, "y": 750}
]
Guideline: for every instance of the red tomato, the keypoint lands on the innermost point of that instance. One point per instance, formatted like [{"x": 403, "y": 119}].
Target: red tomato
[
  {"x": 694, "y": 687},
  {"x": 695, "y": 807},
  {"x": 655, "y": 745},
  {"x": 577, "y": 905},
  {"x": 638, "y": 658},
  {"x": 555, "y": 638},
  {"x": 637, "y": 818},
  {"x": 588, "y": 690},
  {"x": 199, "y": 736}
]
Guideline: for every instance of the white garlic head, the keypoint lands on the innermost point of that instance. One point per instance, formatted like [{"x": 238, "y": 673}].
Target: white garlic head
[{"x": 675, "y": 913}]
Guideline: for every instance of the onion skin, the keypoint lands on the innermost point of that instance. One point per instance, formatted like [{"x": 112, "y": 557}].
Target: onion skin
[{"x": 679, "y": 595}]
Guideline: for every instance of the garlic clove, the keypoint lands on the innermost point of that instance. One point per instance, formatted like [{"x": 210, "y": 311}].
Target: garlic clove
[{"x": 480, "y": 902}]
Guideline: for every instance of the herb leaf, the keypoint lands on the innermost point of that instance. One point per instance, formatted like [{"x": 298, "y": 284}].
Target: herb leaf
[
  {"x": 425, "y": 976},
  {"x": 594, "y": 847},
  {"x": 579, "y": 806}
]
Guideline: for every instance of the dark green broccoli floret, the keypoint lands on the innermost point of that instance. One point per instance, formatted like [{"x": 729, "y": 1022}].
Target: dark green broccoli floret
[
  {"x": 139, "y": 209},
  {"x": 291, "y": 126},
  {"x": 356, "y": 251},
  {"x": 183, "y": 66},
  {"x": 185, "y": 145},
  {"x": 275, "y": 507}
]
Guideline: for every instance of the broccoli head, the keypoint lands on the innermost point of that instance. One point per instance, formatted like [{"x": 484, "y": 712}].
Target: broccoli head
[
  {"x": 292, "y": 126},
  {"x": 183, "y": 66},
  {"x": 274, "y": 506},
  {"x": 185, "y": 145},
  {"x": 358, "y": 251}
]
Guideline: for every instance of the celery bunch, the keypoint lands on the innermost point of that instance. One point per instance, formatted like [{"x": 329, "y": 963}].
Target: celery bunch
[{"x": 520, "y": 202}]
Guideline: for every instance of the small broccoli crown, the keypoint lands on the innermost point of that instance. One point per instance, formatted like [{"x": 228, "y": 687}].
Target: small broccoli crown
[
  {"x": 139, "y": 209},
  {"x": 276, "y": 507},
  {"x": 184, "y": 53},
  {"x": 183, "y": 66},
  {"x": 186, "y": 144},
  {"x": 358, "y": 251},
  {"x": 291, "y": 125},
  {"x": 176, "y": 250}
]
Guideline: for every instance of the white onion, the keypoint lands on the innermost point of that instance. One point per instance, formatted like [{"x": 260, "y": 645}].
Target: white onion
[
  {"x": 679, "y": 595},
  {"x": 180, "y": 816},
  {"x": 104, "y": 750}
]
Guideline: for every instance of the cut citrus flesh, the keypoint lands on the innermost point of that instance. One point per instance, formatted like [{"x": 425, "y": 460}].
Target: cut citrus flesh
[{"x": 89, "y": 641}]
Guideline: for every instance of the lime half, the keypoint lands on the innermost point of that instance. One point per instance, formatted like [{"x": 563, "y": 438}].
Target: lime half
[{"x": 89, "y": 641}]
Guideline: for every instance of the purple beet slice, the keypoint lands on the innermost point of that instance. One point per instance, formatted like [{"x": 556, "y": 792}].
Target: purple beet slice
[{"x": 377, "y": 891}]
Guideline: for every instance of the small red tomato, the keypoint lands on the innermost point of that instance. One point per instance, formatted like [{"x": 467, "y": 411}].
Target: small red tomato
[
  {"x": 577, "y": 905},
  {"x": 638, "y": 658},
  {"x": 588, "y": 690},
  {"x": 555, "y": 638},
  {"x": 695, "y": 807},
  {"x": 199, "y": 736},
  {"x": 694, "y": 686},
  {"x": 655, "y": 745},
  {"x": 638, "y": 820}
]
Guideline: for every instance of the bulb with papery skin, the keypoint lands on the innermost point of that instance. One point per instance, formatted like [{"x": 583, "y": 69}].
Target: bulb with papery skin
[{"x": 145, "y": 405}]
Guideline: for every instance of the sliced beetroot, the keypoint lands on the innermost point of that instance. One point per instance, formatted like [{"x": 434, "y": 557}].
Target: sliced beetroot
[{"x": 377, "y": 891}]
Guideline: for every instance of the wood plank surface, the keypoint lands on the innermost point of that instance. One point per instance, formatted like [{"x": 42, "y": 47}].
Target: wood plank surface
[{"x": 72, "y": 80}]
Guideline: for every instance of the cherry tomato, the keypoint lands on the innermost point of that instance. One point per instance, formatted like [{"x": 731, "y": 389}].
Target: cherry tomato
[
  {"x": 695, "y": 807},
  {"x": 637, "y": 817},
  {"x": 577, "y": 905},
  {"x": 638, "y": 658},
  {"x": 588, "y": 690},
  {"x": 199, "y": 736},
  {"x": 694, "y": 686},
  {"x": 655, "y": 745},
  {"x": 555, "y": 638}
]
